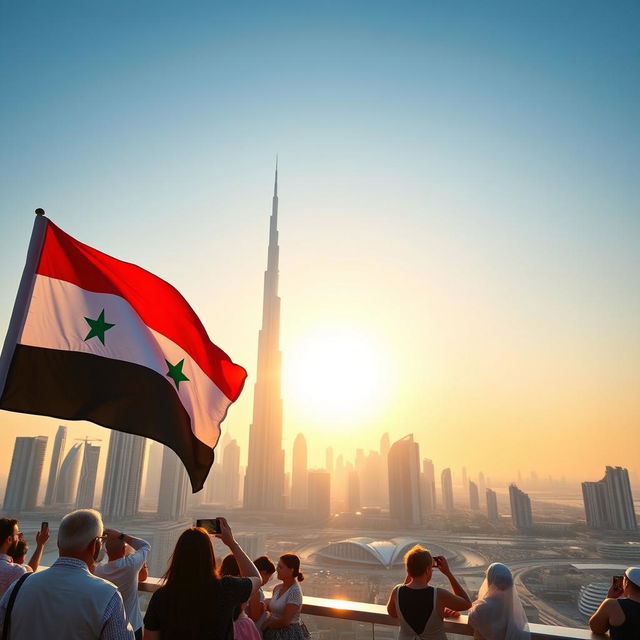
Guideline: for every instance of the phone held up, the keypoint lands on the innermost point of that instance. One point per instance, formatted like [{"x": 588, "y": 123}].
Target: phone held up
[
  {"x": 44, "y": 525},
  {"x": 616, "y": 583},
  {"x": 210, "y": 525}
]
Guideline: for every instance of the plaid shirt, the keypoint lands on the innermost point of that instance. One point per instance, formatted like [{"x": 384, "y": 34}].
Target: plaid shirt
[
  {"x": 114, "y": 621},
  {"x": 9, "y": 572}
]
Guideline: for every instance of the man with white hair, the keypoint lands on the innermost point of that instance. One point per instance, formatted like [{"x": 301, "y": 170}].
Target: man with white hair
[
  {"x": 67, "y": 600},
  {"x": 619, "y": 613},
  {"x": 123, "y": 571}
]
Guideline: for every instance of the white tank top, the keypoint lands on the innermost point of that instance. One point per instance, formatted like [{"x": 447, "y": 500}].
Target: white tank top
[{"x": 433, "y": 629}]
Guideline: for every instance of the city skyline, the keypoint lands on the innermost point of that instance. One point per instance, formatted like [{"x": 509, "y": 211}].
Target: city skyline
[{"x": 443, "y": 230}]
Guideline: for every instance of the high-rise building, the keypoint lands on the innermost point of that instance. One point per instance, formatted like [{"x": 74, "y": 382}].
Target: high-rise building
[
  {"x": 264, "y": 479},
  {"x": 608, "y": 503},
  {"x": 492, "y": 506},
  {"x": 428, "y": 486},
  {"x": 123, "y": 477},
  {"x": 329, "y": 459},
  {"x": 385, "y": 445},
  {"x": 521, "y": 515},
  {"x": 56, "y": 460},
  {"x": 69, "y": 475},
  {"x": 152, "y": 475},
  {"x": 88, "y": 475},
  {"x": 372, "y": 480},
  {"x": 482, "y": 485},
  {"x": 174, "y": 487},
  {"x": 447, "y": 489},
  {"x": 231, "y": 475},
  {"x": 404, "y": 481},
  {"x": 353, "y": 491},
  {"x": 474, "y": 498},
  {"x": 299, "y": 479},
  {"x": 25, "y": 473},
  {"x": 319, "y": 495},
  {"x": 465, "y": 480}
]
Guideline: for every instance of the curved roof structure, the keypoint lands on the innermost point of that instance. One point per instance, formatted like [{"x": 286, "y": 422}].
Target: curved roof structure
[{"x": 387, "y": 553}]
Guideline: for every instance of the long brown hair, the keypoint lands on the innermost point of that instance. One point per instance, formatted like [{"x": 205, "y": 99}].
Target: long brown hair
[{"x": 192, "y": 567}]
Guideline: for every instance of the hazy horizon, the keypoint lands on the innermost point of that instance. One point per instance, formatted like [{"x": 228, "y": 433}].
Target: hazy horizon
[{"x": 458, "y": 208}]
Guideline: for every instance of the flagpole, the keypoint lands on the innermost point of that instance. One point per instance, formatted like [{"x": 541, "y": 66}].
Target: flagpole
[{"x": 23, "y": 296}]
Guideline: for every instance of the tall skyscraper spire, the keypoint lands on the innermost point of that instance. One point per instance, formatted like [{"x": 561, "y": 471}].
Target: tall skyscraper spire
[{"x": 264, "y": 481}]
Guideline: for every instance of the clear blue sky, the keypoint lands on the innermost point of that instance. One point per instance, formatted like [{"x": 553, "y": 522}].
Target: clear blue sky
[{"x": 466, "y": 160}]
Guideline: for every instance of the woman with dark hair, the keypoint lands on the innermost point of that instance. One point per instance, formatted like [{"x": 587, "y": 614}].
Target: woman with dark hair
[
  {"x": 286, "y": 602},
  {"x": 194, "y": 603},
  {"x": 257, "y": 609}
]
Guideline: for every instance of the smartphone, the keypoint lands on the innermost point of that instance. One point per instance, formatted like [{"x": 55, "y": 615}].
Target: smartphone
[
  {"x": 616, "y": 583},
  {"x": 44, "y": 525},
  {"x": 210, "y": 525},
  {"x": 435, "y": 561}
]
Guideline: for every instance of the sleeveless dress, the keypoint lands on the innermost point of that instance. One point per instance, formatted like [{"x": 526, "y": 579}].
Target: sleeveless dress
[
  {"x": 417, "y": 614},
  {"x": 630, "y": 628}
]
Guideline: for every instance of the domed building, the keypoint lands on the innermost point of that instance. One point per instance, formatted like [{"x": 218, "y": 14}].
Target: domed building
[{"x": 374, "y": 553}]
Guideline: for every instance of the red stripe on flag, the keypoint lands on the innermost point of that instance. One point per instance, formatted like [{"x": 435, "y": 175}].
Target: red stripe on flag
[{"x": 160, "y": 305}]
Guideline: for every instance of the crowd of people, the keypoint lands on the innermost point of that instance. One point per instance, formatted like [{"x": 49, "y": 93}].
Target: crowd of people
[{"x": 91, "y": 592}]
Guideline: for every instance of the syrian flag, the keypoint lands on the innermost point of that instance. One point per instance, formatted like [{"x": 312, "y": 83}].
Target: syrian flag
[{"x": 94, "y": 338}]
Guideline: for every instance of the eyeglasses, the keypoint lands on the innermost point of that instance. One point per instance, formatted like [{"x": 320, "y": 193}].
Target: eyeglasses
[{"x": 102, "y": 538}]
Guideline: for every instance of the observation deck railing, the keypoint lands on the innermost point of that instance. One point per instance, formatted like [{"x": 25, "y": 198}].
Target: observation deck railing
[{"x": 376, "y": 615}]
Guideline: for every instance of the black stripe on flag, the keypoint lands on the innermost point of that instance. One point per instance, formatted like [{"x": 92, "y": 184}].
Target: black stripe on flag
[{"x": 119, "y": 395}]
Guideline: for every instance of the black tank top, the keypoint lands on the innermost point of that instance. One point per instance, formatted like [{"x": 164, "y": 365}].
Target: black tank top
[
  {"x": 630, "y": 628},
  {"x": 416, "y": 606}
]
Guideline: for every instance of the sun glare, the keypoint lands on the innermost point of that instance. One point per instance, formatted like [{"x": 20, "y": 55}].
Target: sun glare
[{"x": 334, "y": 374}]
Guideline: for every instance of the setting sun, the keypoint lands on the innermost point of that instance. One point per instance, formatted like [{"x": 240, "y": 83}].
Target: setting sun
[{"x": 333, "y": 373}]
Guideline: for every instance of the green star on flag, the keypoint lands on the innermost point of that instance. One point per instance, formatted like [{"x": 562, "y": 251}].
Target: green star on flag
[
  {"x": 98, "y": 327},
  {"x": 175, "y": 373}
]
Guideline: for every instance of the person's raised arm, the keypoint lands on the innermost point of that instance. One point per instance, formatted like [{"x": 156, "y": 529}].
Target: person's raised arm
[
  {"x": 41, "y": 540},
  {"x": 456, "y": 601},
  {"x": 246, "y": 566}
]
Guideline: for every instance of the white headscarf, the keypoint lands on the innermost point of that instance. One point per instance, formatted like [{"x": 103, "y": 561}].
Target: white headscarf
[{"x": 498, "y": 614}]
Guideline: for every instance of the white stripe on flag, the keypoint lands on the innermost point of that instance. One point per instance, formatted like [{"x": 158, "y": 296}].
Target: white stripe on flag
[{"x": 56, "y": 320}]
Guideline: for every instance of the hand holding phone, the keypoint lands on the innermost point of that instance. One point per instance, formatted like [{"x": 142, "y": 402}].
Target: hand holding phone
[
  {"x": 43, "y": 535},
  {"x": 615, "y": 590},
  {"x": 210, "y": 525}
]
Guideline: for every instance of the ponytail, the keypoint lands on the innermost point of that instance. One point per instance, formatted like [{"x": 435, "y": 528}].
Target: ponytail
[{"x": 300, "y": 576}]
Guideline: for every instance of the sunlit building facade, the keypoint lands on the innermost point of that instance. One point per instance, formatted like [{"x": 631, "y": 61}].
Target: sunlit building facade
[
  {"x": 492, "y": 506},
  {"x": 56, "y": 461},
  {"x": 405, "y": 503},
  {"x": 25, "y": 474},
  {"x": 88, "y": 475},
  {"x": 608, "y": 503},
  {"x": 264, "y": 479},
  {"x": 447, "y": 490},
  {"x": 123, "y": 477},
  {"x": 299, "y": 479},
  {"x": 521, "y": 514}
]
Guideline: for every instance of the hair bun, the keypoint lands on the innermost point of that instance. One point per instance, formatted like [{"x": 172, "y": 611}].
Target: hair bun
[{"x": 300, "y": 577}]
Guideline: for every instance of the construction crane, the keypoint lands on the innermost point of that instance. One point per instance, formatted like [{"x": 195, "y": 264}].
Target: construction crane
[{"x": 87, "y": 440}]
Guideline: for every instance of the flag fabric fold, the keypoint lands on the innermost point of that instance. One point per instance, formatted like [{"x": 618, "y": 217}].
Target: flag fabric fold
[{"x": 106, "y": 341}]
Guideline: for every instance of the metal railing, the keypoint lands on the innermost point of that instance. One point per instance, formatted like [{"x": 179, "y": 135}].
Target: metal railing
[{"x": 376, "y": 614}]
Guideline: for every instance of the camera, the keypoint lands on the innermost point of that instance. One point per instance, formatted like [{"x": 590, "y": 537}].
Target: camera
[
  {"x": 616, "y": 583},
  {"x": 210, "y": 525}
]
